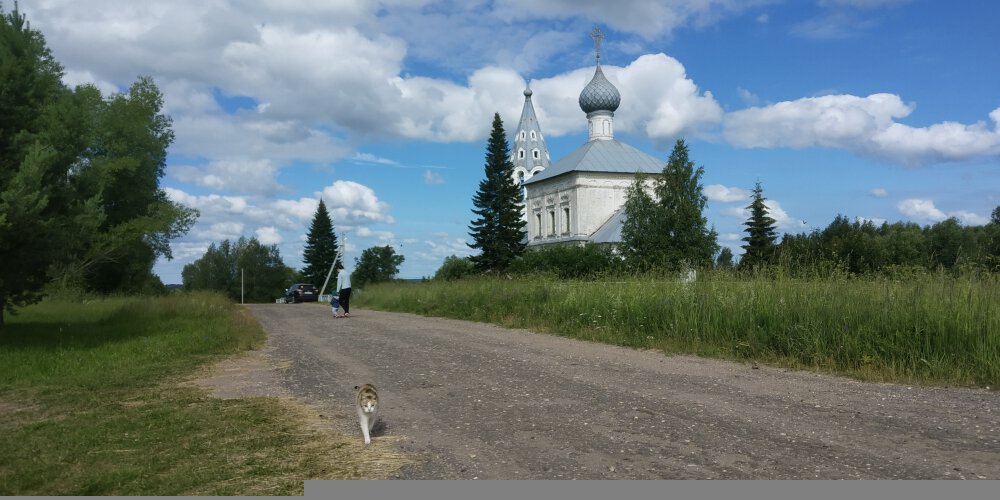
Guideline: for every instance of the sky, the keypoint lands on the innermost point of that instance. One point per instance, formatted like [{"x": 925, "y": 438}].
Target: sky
[{"x": 883, "y": 110}]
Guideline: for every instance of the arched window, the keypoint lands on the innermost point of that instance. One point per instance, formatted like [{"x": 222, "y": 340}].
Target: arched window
[
  {"x": 534, "y": 154},
  {"x": 520, "y": 154},
  {"x": 532, "y": 135},
  {"x": 538, "y": 225},
  {"x": 522, "y": 135},
  {"x": 552, "y": 222},
  {"x": 566, "y": 219}
]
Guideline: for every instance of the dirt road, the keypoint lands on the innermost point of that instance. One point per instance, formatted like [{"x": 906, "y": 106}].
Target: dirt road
[{"x": 471, "y": 400}]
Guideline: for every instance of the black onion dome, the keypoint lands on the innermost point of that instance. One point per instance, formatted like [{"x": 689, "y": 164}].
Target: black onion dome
[{"x": 599, "y": 94}]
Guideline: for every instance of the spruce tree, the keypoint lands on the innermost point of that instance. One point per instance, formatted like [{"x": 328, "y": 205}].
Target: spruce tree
[
  {"x": 321, "y": 248},
  {"x": 761, "y": 234},
  {"x": 673, "y": 232},
  {"x": 498, "y": 230}
]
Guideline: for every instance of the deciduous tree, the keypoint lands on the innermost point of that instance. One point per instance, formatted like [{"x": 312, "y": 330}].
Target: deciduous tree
[
  {"x": 376, "y": 264},
  {"x": 669, "y": 229},
  {"x": 246, "y": 269}
]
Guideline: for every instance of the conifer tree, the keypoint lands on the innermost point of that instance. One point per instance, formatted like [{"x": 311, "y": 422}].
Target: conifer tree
[
  {"x": 498, "y": 230},
  {"x": 761, "y": 235},
  {"x": 321, "y": 248}
]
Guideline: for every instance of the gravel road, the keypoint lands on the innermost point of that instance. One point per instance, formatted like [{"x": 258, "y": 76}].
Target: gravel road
[{"x": 471, "y": 400}]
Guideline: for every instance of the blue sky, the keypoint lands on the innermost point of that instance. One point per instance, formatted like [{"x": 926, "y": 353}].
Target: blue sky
[{"x": 880, "y": 109}]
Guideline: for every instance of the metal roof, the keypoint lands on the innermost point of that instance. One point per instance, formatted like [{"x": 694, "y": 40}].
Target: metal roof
[
  {"x": 603, "y": 156},
  {"x": 611, "y": 230},
  {"x": 599, "y": 94}
]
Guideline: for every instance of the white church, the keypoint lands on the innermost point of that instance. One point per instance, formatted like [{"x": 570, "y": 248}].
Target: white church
[{"x": 578, "y": 199}]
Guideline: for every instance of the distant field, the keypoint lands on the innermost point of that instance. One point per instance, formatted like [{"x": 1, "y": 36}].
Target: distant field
[
  {"x": 93, "y": 405},
  {"x": 933, "y": 329}
]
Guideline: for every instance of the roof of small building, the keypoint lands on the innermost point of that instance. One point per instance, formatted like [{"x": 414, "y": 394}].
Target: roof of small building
[
  {"x": 602, "y": 156},
  {"x": 611, "y": 230}
]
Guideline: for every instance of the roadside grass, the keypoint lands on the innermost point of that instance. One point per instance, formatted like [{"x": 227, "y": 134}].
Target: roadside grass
[
  {"x": 932, "y": 329},
  {"x": 94, "y": 404}
]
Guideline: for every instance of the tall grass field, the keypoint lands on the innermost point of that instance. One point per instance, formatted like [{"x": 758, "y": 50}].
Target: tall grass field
[
  {"x": 935, "y": 329},
  {"x": 92, "y": 404}
]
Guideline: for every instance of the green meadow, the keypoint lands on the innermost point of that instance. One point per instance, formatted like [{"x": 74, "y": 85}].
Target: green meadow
[
  {"x": 932, "y": 328},
  {"x": 94, "y": 403}
]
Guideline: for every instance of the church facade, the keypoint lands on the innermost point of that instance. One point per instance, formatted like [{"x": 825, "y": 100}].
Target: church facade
[{"x": 578, "y": 199}]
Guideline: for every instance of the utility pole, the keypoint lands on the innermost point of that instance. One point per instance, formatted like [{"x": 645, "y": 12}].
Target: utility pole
[{"x": 339, "y": 254}]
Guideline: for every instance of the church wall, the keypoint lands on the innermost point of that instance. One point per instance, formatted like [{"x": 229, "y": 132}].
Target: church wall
[{"x": 571, "y": 207}]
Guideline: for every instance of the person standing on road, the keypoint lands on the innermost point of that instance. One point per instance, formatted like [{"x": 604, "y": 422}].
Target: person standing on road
[{"x": 344, "y": 290}]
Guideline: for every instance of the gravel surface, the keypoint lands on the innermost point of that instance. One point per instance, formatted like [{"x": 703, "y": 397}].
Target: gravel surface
[{"x": 471, "y": 400}]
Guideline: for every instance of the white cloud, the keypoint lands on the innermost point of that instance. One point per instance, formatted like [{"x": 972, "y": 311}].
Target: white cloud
[
  {"x": 658, "y": 99},
  {"x": 863, "y": 125},
  {"x": 241, "y": 176},
  {"x": 647, "y": 18},
  {"x": 924, "y": 211},
  {"x": 748, "y": 98},
  {"x": 383, "y": 236},
  {"x": 718, "y": 192},
  {"x": 370, "y": 158},
  {"x": 841, "y": 19},
  {"x": 879, "y": 192},
  {"x": 431, "y": 177},
  {"x": 969, "y": 218},
  {"x": 355, "y": 204},
  {"x": 877, "y": 221},
  {"x": 269, "y": 235},
  {"x": 782, "y": 219}
]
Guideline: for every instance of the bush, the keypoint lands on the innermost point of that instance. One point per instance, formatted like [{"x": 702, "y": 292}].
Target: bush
[
  {"x": 567, "y": 261},
  {"x": 455, "y": 267}
]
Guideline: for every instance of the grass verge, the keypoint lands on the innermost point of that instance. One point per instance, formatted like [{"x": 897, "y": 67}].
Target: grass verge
[
  {"x": 932, "y": 329},
  {"x": 94, "y": 404}
]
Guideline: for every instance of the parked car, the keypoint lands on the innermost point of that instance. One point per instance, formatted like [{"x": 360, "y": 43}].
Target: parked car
[{"x": 301, "y": 292}]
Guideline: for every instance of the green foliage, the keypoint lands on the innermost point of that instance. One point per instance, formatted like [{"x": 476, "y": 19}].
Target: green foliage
[
  {"x": 567, "y": 261},
  {"x": 98, "y": 401},
  {"x": 641, "y": 245},
  {"x": 79, "y": 174},
  {"x": 455, "y": 267},
  {"x": 862, "y": 248},
  {"x": 35, "y": 196},
  {"x": 376, "y": 264},
  {"x": 321, "y": 248},
  {"x": 761, "y": 235},
  {"x": 931, "y": 327},
  {"x": 498, "y": 231},
  {"x": 123, "y": 166},
  {"x": 668, "y": 230},
  {"x": 725, "y": 259},
  {"x": 245, "y": 267}
]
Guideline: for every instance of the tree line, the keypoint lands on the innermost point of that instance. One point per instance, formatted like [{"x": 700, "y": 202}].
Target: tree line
[
  {"x": 80, "y": 201},
  {"x": 665, "y": 230},
  {"x": 248, "y": 270}
]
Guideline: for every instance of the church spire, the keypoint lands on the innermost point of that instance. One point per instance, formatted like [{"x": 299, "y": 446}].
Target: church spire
[{"x": 530, "y": 155}]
